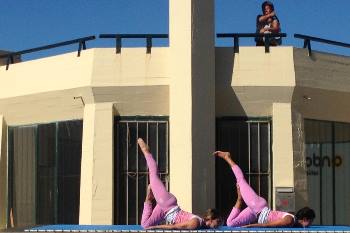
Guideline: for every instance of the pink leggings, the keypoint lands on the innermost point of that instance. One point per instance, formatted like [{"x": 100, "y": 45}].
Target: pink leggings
[
  {"x": 254, "y": 203},
  {"x": 165, "y": 200}
]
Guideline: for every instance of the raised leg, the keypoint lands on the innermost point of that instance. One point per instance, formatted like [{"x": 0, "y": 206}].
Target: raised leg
[
  {"x": 150, "y": 216},
  {"x": 239, "y": 218},
  {"x": 163, "y": 198},
  {"x": 249, "y": 196},
  {"x": 252, "y": 200}
]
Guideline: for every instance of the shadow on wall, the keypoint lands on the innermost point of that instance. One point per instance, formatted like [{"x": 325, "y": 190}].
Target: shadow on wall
[{"x": 227, "y": 103}]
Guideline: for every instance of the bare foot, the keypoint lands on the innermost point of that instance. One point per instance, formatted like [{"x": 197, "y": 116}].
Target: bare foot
[
  {"x": 222, "y": 154},
  {"x": 143, "y": 146},
  {"x": 226, "y": 156}
]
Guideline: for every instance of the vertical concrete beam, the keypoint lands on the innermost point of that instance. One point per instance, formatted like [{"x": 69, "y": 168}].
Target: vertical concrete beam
[
  {"x": 3, "y": 172},
  {"x": 282, "y": 147},
  {"x": 299, "y": 161},
  {"x": 192, "y": 103},
  {"x": 96, "y": 187}
]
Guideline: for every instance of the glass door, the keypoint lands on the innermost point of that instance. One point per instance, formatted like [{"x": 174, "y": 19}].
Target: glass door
[
  {"x": 44, "y": 174},
  {"x": 327, "y": 147}
]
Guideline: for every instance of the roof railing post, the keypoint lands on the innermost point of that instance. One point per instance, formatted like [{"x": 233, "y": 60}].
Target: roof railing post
[
  {"x": 81, "y": 41},
  {"x": 237, "y": 36},
  {"x": 119, "y": 37},
  {"x": 118, "y": 44},
  {"x": 79, "y": 48},
  {"x": 82, "y": 45},
  {"x": 236, "y": 44},
  {"x": 309, "y": 48},
  {"x": 308, "y": 39},
  {"x": 267, "y": 43},
  {"x": 307, "y": 44},
  {"x": 149, "y": 44},
  {"x": 9, "y": 60}
]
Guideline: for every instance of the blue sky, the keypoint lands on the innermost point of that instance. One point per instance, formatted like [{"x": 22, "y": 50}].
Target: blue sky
[{"x": 31, "y": 23}]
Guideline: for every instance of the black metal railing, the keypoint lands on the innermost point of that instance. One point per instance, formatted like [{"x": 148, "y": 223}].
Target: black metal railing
[
  {"x": 118, "y": 38},
  {"x": 308, "y": 39},
  {"x": 149, "y": 37},
  {"x": 81, "y": 41},
  {"x": 236, "y": 37}
]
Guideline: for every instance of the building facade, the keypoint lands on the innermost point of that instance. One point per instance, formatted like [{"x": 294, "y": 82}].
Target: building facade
[{"x": 69, "y": 127}]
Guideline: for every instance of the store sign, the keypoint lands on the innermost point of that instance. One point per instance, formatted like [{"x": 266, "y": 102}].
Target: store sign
[{"x": 315, "y": 162}]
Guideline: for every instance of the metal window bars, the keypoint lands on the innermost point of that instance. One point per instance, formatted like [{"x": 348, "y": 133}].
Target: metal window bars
[
  {"x": 80, "y": 41},
  {"x": 256, "y": 154},
  {"x": 308, "y": 39},
  {"x": 134, "y": 177},
  {"x": 236, "y": 37},
  {"x": 250, "y": 140},
  {"x": 119, "y": 37}
]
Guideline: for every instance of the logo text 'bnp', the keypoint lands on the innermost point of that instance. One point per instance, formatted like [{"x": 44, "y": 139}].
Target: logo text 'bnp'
[{"x": 315, "y": 162}]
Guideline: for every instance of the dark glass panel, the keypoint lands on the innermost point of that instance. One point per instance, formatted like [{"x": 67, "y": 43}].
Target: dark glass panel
[
  {"x": 326, "y": 184},
  {"x": 46, "y": 169},
  {"x": 318, "y": 146},
  {"x": 341, "y": 164},
  {"x": 121, "y": 205},
  {"x": 142, "y": 189},
  {"x": 132, "y": 198},
  {"x": 69, "y": 167},
  {"x": 162, "y": 147},
  {"x": 132, "y": 146},
  {"x": 264, "y": 187},
  {"x": 142, "y": 133},
  {"x": 254, "y": 183},
  {"x": 22, "y": 183},
  {"x": 317, "y": 132},
  {"x": 46, "y": 145},
  {"x": 224, "y": 189},
  {"x": 120, "y": 169},
  {"x": 243, "y": 159},
  {"x": 120, "y": 146},
  {"x": 254, "y": 147},
  {"x": 152, "y": 137},
  {"x": 153, "y": 140},
  {"x": 264, "y": 147},
  {"x": 68, "y": 200}
]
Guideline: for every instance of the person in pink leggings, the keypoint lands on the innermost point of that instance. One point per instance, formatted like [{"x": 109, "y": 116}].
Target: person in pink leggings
[
  {"x": 167, "y": 208},
  {"x": 257, "y": 213}
]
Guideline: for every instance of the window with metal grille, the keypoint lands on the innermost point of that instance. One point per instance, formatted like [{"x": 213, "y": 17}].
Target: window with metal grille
[
  {"x": 130, "y": 168},
  {"x": 248, "y": 141}
]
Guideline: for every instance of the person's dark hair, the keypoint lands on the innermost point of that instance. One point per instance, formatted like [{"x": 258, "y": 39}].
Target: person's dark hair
[
  {"x": 211, "y": 214},
  {"x": 305, "y": 212},
  {"x": 267, "y": 3}
]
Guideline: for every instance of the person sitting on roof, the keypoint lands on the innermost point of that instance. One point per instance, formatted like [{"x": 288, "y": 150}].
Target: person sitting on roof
[{"x": 268, "y": 22}]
